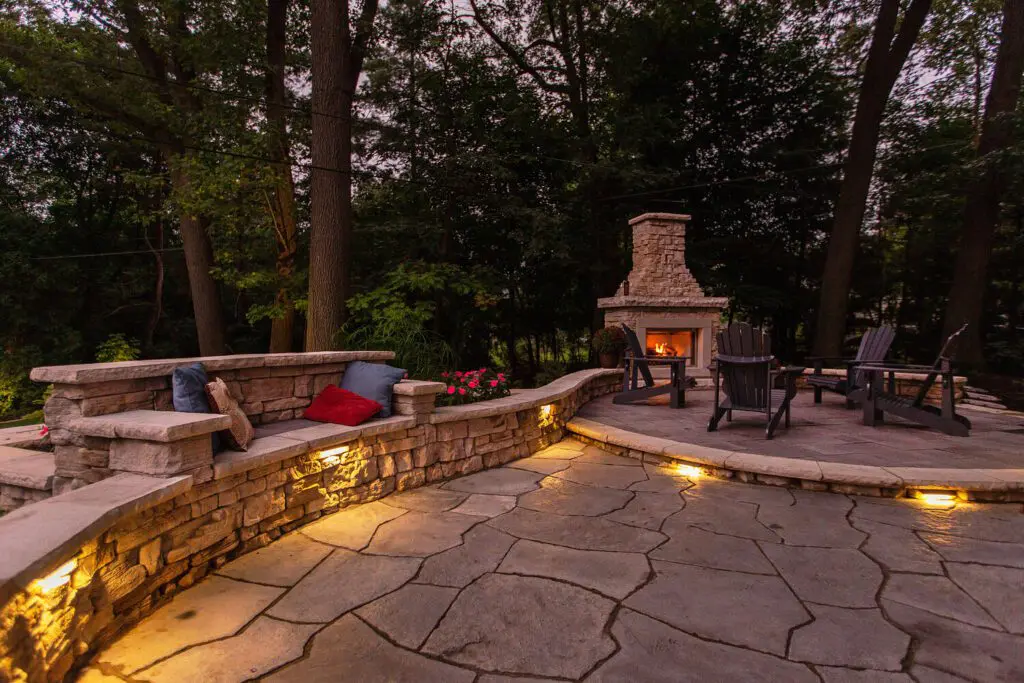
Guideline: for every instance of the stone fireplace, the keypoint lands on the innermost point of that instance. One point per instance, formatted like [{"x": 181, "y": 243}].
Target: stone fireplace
[{"x": 661, "y": 299}]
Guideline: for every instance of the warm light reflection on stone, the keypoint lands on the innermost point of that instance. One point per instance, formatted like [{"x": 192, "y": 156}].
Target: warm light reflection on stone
[
  {"x": 690, "y": 471},
  {"x": 332, "y": 456},
  {"x": 58, "y": 577}
]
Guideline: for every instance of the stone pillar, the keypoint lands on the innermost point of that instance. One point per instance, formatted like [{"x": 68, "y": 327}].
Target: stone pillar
[
  {"x": 659, "y": 257},
  {"x": 413, "y": 397}
]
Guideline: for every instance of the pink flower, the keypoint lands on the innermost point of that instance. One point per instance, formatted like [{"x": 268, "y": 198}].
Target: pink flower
[
  {"x": 458, "y": 374},
  {"x": 494, "y": 383},
  {"x": 474, "y": 384},
  {"x": 483, "y": 369},
  {"x": 444, "y": 374},
  {"x": 462, "y": 392},
  {"x": 451, "y": 390},
  {"x": 44, "y": 430},
  {"x": 501, "y": 376}
]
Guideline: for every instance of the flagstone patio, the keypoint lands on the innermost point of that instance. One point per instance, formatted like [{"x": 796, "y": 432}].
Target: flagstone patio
[{"x": 575, "y": 564}]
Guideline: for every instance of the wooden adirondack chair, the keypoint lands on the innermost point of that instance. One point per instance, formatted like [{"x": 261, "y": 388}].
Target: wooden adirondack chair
[
  {"x": 637, "y": 365},
  {"x": 879, "y": 399},
  {"x": 874, "y": 346},
  {"x": 745, "y": 370}
]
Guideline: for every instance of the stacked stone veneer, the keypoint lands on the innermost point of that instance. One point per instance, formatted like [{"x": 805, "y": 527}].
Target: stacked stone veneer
[
  {"x": 663, "y": 293},
  {"x": 270, "y": 388},
  {"x": 81, "y": 567}
]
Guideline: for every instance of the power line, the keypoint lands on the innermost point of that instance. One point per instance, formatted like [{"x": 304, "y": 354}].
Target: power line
[{"x": 104, "y": 253}]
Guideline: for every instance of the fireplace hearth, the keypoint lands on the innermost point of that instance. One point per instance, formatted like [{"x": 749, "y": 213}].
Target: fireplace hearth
[{"x": 661, "y": 300}]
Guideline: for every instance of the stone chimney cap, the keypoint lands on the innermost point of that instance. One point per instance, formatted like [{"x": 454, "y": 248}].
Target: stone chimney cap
[{"x": 675, "y": 217}]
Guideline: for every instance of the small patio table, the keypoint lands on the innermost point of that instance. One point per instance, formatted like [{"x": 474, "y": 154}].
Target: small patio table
[{"x": 676, "y": 386}]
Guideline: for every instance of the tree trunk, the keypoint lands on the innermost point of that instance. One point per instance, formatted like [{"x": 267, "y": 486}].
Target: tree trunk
[
  {"x": 966, "y": 298},
  {"x": 283, "y": 199},
  {"x": 199, "y": 261},
  {"x": 884, "y": 63}
]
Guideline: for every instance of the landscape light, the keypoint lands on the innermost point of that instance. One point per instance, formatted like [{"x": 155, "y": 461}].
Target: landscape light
[
  {"x": 690, "y": 471},
  {"x": 332, "y": 456},
  {"x": 57, "y": 578}
]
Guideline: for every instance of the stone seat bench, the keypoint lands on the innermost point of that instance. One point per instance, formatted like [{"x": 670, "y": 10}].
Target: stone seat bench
[{"x": 26, "y": 476}]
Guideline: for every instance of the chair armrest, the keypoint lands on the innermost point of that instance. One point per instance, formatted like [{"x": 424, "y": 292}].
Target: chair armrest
[
  {"x": 745, "y": 360},
  {"x": 896, "y": 367}
]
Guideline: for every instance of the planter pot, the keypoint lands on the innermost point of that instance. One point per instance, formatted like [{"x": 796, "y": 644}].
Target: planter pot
[{"x": 608, "y": 360}]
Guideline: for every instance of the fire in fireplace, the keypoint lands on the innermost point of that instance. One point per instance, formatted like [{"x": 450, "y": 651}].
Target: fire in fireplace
[{"x": 671, "y": 343}]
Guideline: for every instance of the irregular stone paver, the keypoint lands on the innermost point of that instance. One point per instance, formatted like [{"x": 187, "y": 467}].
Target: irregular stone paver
[
  {"x": 352, "y": 527},
  {"x": 613, "y": 574},
  {"x": 960, "y": 549},
  {"x": 973, "y": 653},
  {"x": 690, "y": 545},
  {"x": 97, "y": 676},
  {"x": 653, "y": 652},
  {"x": 348, "y": 651},
  {"x": 982, "y": 522},
  {"x": 216, "y": 608},
  {"x": 490, "y": 678},
  {"x": 648, "y": 510},
  {"x": 731, "y": 491},
  {"x": 741, "y": 609},
  {"x": 419, "y": 534},
  {"x": 661, "y": 480},
  {"x": 558, "y": 452},
  {"x": 264, "y": 646},
  {"x": 721, "y": 516},
  {"x": 834, "y": 674},
  {"x": 486, "y": 505},
  {"x": 506, "y": 481},
  {"x": 566, "y": 498},
  {"x": 409, "y": 614},
  {"x": 481, "y": 551},
  {"x": 539, "y": 464},
  {"x": 583, "y": 533},
  {"x": 926, "y": 674},
  {"x": 899, "y": 549},
  {"x": 426, "y": 499},
  {"x": 519, "y": 624},
  {"x": 829, "y": 576},
  {"x": 813, "y": 525},
  {"x": 595, "y": 456},
  {"x": 938, "y": 595},
  {"x": 1000, "y": 590},
  {"x": 859, "y": 638},
  {"x": 341, "y": 582},
  {"x": 281, "y": 563},
  {"x": 608, "y": 476}
]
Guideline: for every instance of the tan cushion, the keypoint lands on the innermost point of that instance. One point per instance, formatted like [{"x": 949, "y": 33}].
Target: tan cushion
[{"x": 221, "y": 401}]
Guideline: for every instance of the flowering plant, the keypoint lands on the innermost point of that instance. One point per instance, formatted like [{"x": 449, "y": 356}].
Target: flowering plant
[{"x": 470, "y": 386}]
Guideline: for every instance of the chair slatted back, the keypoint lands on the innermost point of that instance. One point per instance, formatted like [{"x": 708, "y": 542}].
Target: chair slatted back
[
  {"x": 945, "y": 358},
  {"x": 637, "y": 352},
  {"x": 748, "y": 385},
  {"x": 740, "y": 339},
  {"x": 874, "y": 346}
]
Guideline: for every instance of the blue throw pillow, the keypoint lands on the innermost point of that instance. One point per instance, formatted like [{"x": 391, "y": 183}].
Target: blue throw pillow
[
  {"x": 374, "y": 381},
  {"x": 188, "y": 393}
]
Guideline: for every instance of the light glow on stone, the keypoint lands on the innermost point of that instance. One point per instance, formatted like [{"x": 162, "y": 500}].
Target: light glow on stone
[
  {"x": 57, "y": 578},
  {"x": 547, "y": 415},
  {"x": 690, "y": 471},
  {"x": 332, "y": 456},
  {"x": 936, "y": 499}
]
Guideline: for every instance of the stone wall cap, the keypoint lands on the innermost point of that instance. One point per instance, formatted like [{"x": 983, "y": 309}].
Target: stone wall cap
[
  {"x": 140, "y": 369},
  {"x": 709, "y": 302},
  {"x": 327, "y": 434},
  {"x": 678, "y": 217},
  {"x": 415, "y": 387},
  {"x": 150, "y": 425},
  {"x": 42, "y": 536},
  {"x": 27, "y": 469},
  {"x": 523, "y": 400},
  {"x": 262, "y": 451},
  {"x": 21, "y": 437}
]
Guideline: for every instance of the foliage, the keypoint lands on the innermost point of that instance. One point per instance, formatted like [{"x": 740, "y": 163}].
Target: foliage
[
  {"x": 470, "y": 386},
  {"x": 117, "y": 347},
  {"x": 422, "y": 353},
  {"x": 609, "y": 340}
]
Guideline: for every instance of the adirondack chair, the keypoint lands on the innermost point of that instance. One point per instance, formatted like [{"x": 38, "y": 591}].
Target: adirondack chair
[
  {"x": 878, "y": 399},
  {"x": 637, "y": 366},
  {"x": 745, "y": 370},
  {"x": 874, "y": 345}
]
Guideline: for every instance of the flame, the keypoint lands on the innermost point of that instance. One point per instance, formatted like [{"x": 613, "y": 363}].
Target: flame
[{"x": 660, "y": 349}]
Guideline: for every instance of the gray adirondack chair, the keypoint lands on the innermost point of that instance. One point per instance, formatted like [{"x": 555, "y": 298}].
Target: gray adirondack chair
[
  {"x": 637, "y": 367},
  {"x": 879, "y": 399},
  {"x": 874, "y": 346},
  {"x": 744, "y": 370}
]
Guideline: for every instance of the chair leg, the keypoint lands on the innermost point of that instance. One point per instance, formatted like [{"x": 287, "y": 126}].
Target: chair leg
[
  {"x": 728, "y": 416},
  {"x": 715, "y": 418},
  {"x": 775, "y": 421},
  {"x": 787, "y": 414},
  {"x": 817, "y": 394}
]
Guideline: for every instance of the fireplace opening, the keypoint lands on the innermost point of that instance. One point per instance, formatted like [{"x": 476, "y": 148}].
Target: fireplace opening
[{"x": 672, "y": 343}]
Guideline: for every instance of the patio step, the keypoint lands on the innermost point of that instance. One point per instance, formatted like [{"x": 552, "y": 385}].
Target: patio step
[{"x": 982, "y": 403}]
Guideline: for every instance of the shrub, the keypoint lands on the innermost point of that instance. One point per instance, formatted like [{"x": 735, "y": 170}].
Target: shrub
[
  {"x": 117, "y": 347},
  {"x": 471, "y": 386},
  {"x": 609, "y": 340}
]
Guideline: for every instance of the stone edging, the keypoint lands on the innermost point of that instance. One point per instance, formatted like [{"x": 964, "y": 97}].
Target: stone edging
[{"x": 995, "y": 485}]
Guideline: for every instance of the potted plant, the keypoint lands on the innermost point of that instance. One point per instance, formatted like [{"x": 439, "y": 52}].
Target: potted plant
[{"x": 609, "y": 342}]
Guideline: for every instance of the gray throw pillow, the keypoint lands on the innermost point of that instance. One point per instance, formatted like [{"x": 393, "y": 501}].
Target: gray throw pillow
[
  {"x": 188, "y": 393},
  {"x": 374, "y": 381}
]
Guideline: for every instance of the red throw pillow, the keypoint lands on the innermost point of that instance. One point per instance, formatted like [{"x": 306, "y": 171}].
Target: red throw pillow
[{"x": 341, "y": 406}]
